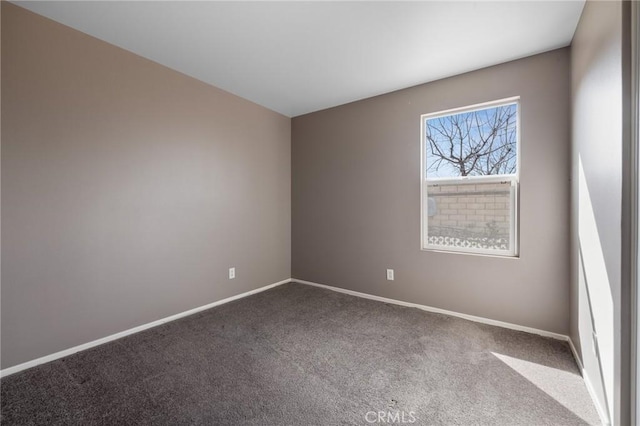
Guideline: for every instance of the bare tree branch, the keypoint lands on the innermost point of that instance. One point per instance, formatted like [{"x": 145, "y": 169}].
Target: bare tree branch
[{"x": 474, "y": 143}]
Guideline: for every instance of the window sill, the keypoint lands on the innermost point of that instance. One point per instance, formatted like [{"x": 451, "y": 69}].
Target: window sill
[{"x": 468, "y": 253}]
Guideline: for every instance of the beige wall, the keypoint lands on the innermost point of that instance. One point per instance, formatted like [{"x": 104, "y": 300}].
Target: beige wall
[
  {"x": 356, "y": 198},
  {"x": 128, "y": 190},
  {"x": 597, "y": 157}
]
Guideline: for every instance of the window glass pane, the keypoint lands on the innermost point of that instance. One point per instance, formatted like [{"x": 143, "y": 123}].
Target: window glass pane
[
  {"x": 474, "y": 143},
  {"x": 470, "y": 216}
]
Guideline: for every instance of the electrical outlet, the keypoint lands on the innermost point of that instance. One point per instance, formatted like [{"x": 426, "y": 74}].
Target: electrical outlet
[
  {"x": 232, "y": 273},
  {"x": 390, "y": 275},
  {"x": 594, "y": 343}
]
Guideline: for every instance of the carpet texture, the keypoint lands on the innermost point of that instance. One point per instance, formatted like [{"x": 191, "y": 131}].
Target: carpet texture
[{"x": 300, "y": 355}]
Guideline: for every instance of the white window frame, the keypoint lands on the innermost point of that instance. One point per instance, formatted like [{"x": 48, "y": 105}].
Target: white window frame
[{"x": 514, "y": 179}]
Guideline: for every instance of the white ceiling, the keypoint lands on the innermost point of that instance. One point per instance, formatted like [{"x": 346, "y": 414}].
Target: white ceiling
[{"x": 299, "y": 57}]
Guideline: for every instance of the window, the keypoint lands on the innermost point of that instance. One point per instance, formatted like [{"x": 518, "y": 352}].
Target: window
[{"x": 470, "y": 159}]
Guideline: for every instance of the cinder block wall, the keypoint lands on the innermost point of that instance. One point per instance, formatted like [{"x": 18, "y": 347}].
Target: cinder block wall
[{"x": 481, "y": 208}]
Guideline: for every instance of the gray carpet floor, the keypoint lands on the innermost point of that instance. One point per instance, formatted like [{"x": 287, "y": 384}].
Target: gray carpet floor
[{"x": 300, "y": 355}]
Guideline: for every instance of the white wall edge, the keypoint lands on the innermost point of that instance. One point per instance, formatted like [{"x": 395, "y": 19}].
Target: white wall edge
[
  {"x": 604, "y": 418},
  {"x": 440, "y": 311},
  {"x": 48, "y": 358}
]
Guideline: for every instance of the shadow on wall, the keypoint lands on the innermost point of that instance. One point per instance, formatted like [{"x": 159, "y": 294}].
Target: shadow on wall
[{"x": 595, "y": 300}]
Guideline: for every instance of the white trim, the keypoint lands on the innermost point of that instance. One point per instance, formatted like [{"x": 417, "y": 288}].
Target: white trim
[
  {"x": 424, "y": 210},
  {"x": 48, "y": 358},
  {"x": 601, "y": 413},
  {"x": 512, "y": 180},
  {"x": 474, "y": 107},
  {"x": 575, "y": 354},
  {"x": 461, "y": 180},
  {"x": 513, "y": 209},
  {"x": 61, "y": 354},
  {"x": 587, "y": 382},
  {"x": 439, "y": 311},
  {"x": 425, "y": 182}
]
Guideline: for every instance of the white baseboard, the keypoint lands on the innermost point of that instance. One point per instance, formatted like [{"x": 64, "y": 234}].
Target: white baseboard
[
  {"x": 439, "y": 311},
  {"x": 575, "y": 354},
  {"x": 84, "y": 346},
  {"x": 48, "y": 358},
  {"x": 604, "y": 418}
]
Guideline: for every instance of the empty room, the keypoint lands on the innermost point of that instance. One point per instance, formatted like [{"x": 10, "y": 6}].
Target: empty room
[{"x": 319, "y": 213}]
